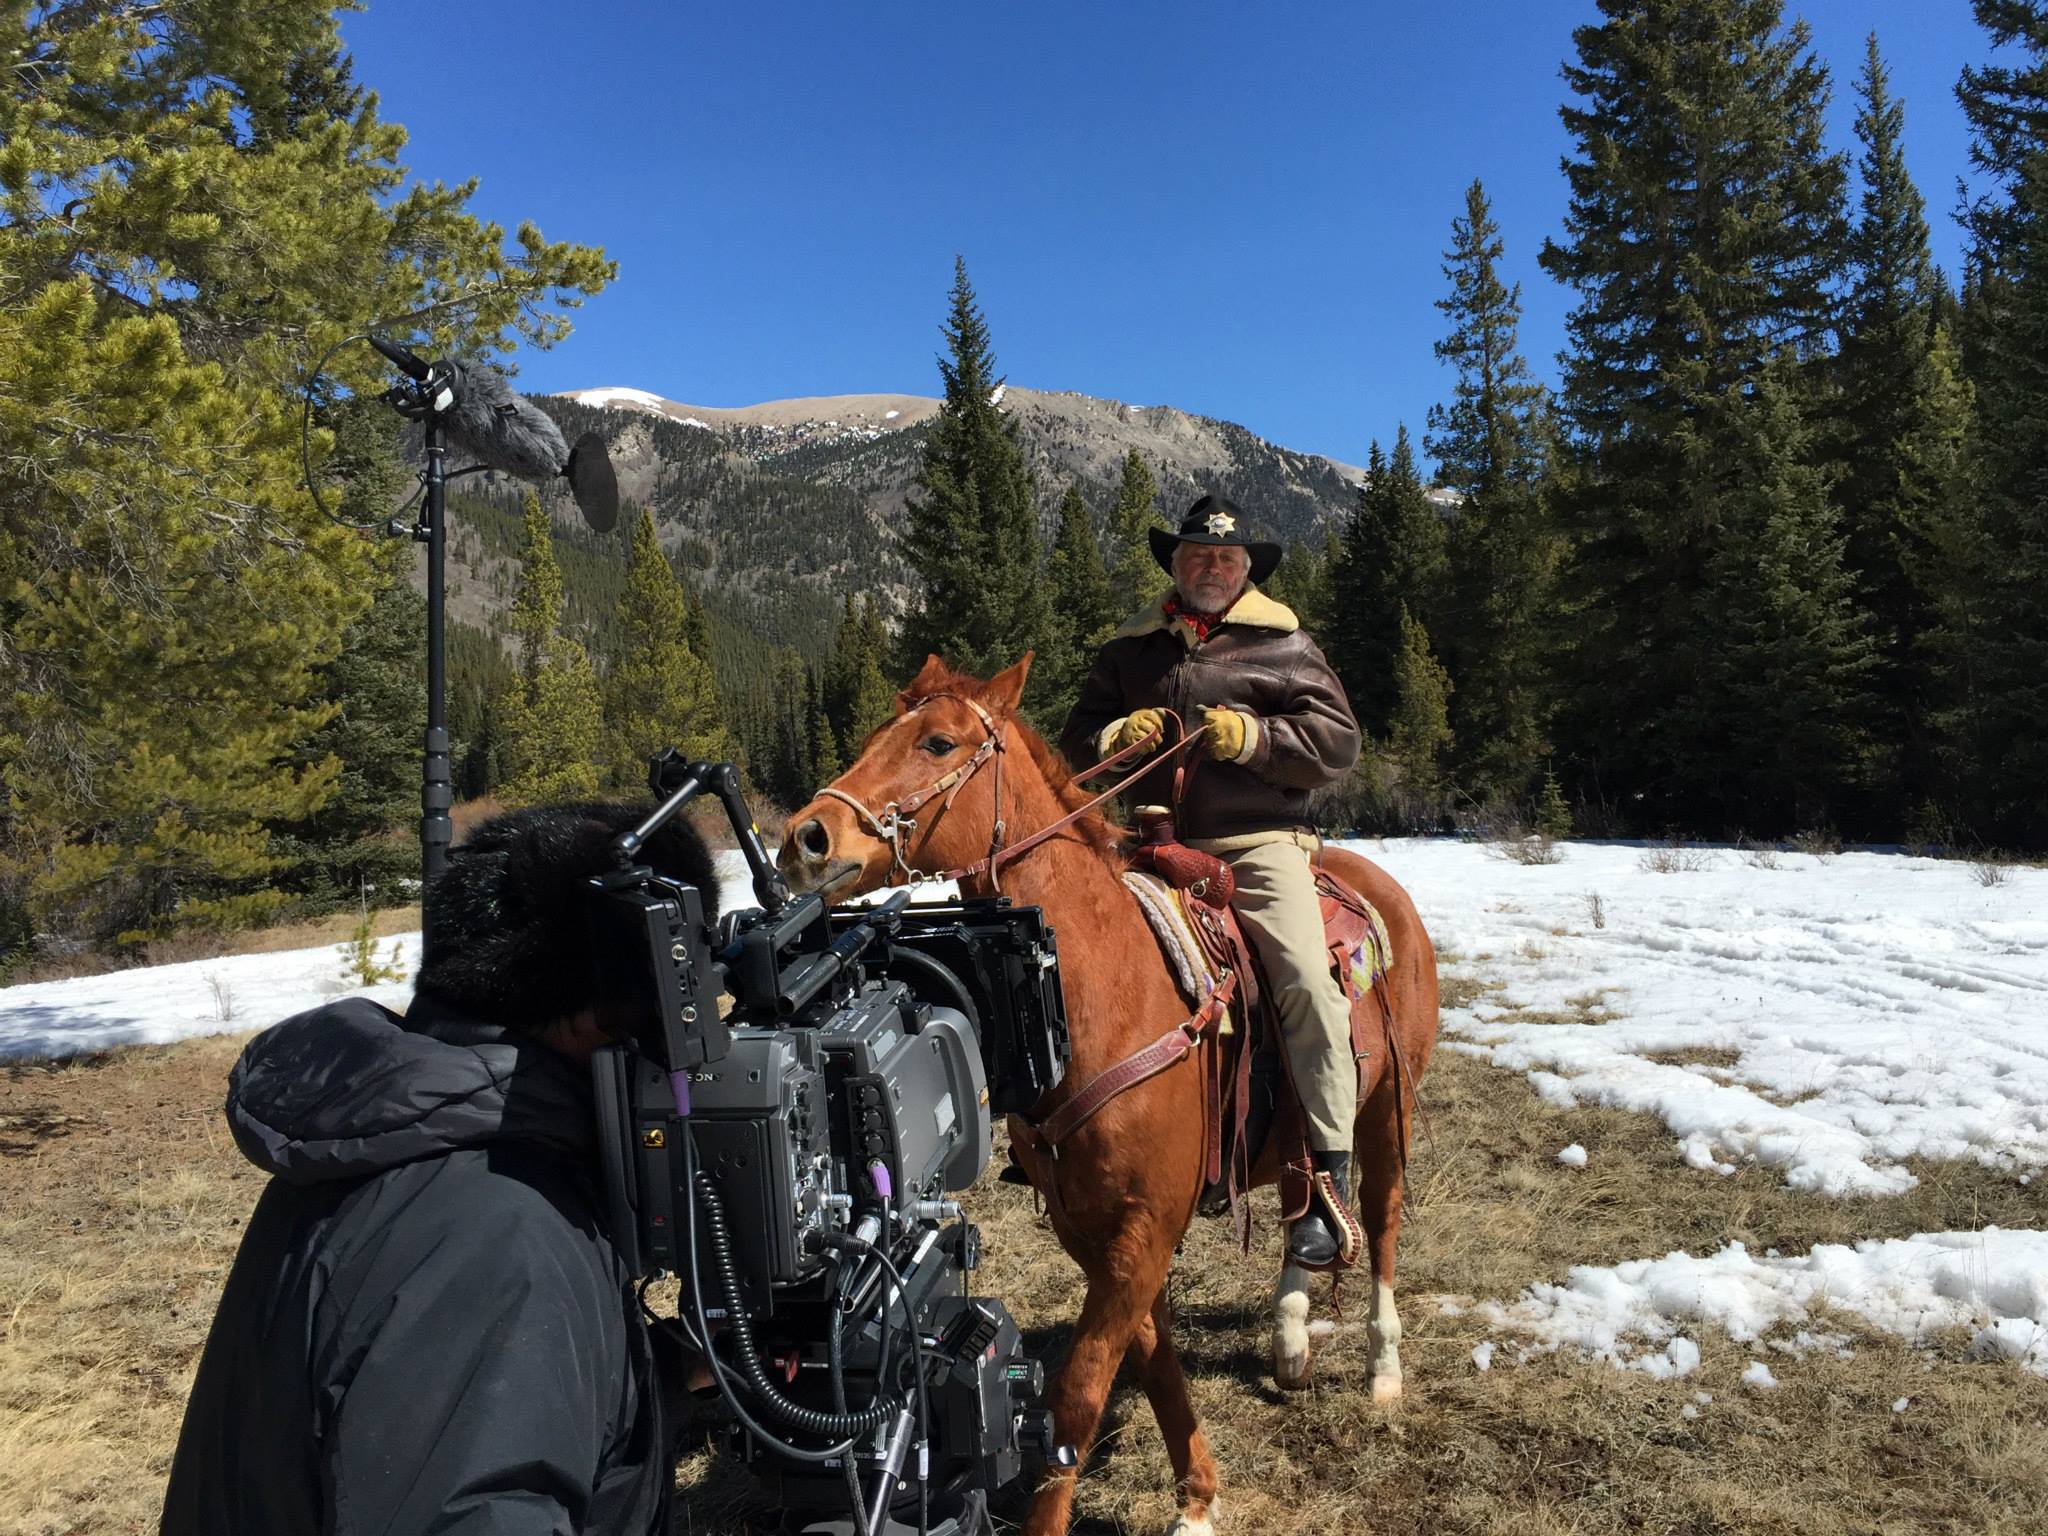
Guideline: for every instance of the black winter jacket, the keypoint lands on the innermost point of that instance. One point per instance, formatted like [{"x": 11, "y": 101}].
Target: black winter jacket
[{"x": 426, "y": 1328}]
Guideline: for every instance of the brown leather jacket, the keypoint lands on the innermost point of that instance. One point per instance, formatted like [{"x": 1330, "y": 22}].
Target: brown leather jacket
[{"x": 1258, "y": 660}]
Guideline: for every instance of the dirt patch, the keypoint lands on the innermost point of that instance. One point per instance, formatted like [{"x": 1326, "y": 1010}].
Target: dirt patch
[
  {"x": 1719, "y": 1056},
  {"x": 1463, "y": 991},
  {"x": 121, "y": 1200}
]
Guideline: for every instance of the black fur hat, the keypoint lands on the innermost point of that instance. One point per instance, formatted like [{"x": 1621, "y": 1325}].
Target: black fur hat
[
  {"x": 509, "y": 933},
  {"x": 1215, "y": 520}
]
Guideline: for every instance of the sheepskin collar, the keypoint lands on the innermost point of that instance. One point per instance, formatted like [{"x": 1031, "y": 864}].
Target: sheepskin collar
[{"x": 1252, "y": 608}]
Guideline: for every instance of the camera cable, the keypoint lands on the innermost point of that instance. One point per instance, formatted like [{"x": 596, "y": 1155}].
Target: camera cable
[
  {"x": 898, "y": 1289},
  {"x": 924, "y": 1421},
  {"x": 835, "y": 1353},
  {"x": 757, "y": 1379}
]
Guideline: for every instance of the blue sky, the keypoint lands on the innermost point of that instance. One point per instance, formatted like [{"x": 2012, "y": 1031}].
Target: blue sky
[{"x": 1235, "y": 209}]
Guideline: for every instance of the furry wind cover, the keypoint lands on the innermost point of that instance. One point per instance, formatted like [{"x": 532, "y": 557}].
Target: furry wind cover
[{"x": 513, "y": 935}]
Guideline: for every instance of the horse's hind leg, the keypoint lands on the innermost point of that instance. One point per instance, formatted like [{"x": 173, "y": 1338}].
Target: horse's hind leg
[
  {"x": 1194, "y": 1469},
  {"x": 1379, "y": 1162}
]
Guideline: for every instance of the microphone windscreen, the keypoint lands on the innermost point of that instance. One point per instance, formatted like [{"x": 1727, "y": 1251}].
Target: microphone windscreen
[
  {"x": 502, "y": 428},
  {"x": 593, "y": 483}
]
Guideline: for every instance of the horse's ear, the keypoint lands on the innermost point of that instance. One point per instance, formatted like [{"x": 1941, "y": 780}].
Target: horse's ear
[
  {"x": 930, "y": 678},
  {"x": 1002, "y": 691}
]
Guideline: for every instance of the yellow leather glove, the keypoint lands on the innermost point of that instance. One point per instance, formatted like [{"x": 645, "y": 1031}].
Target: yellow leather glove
[
  {"x": 1134, "y": 728},
  {"x": 1227, "y": 730}
]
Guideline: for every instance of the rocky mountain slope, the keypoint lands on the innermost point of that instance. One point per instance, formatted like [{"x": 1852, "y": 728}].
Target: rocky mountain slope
[
  {"x": 870, "y": 444},
  {"x": 775, "y": 511}
]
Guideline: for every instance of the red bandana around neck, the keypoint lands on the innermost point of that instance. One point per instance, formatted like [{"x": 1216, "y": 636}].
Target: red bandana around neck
[{"x": 1201, "y": 623}]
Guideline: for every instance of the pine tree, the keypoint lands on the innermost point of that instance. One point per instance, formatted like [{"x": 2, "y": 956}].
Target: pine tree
[
  {"x": 697, "y": 628},
  {"x": 1553, "y": 814},
  {"x": 1135, "y": 579},
  {"x": 1701, "y": 240},
  {"x": 554, "y": 722},
  {"x": 1419, "y": 733},
  {"x": 196, "y": 202},
  {"x": 1492, "y": 447},
  {"x": 479, "y": 681},
  {"x": 354, "y": 846},
  {"x": 788, "y": 771},
  {"x": 1305, "y": 580},
  {"x": 658, "y": 693},
  {"x": 1903, "y": 416},
  {"x": 825, "y": 759},
  {"x": 1082, "y": 611},
  {"x": 1995, "y": 624},
  {"x": 972, "y": 533},
  {"x": 1773, "y": 720},
  {"x": 1393, "y": 561},
  {"x": 858, "y": 696}
]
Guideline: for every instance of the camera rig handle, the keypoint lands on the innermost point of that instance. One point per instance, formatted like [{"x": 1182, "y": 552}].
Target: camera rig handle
[{"x": 680, "y": 782}]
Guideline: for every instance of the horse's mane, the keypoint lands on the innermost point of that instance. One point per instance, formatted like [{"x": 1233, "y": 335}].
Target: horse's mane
[{"x": 1095, "y": 829}]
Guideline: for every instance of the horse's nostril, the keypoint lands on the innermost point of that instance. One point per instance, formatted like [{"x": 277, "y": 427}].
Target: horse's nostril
[{"x": 813, "y": 839}]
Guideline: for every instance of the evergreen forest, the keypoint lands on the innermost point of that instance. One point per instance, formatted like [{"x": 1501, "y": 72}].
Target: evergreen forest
[{"x": 1770, "y": 559}]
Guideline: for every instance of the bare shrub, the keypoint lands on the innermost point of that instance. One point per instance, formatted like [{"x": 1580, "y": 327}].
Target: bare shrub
[
  {"x": 1675, "y": 858},
  {"x": 223, "y": 996},
  {"x": 1510, "y": 835},
  {"x": 1989, "y": 869},
  {"x": 1758, "y": 855},
  {"x": 1530, "y": 848},
  {"x": 1596, "y": 909},
  {"x": 1822, "y": 842}
]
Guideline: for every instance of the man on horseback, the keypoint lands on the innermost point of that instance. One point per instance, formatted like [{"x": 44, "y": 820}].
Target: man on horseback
[{"x": 1235, "y": 664}]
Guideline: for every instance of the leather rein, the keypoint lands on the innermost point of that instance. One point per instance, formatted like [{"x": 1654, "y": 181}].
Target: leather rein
[{"x": 898, "y": 817}]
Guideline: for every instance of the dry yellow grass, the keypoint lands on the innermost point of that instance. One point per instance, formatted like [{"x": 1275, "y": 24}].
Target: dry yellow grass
[{"x": 121, "y": 1200}]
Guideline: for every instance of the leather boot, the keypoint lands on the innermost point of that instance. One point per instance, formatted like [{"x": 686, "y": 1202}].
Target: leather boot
[{"x": 1316, "y": 1240}]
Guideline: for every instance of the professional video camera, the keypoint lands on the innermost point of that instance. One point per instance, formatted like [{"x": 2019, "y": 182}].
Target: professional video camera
[{"x": 790, "y": 1163}]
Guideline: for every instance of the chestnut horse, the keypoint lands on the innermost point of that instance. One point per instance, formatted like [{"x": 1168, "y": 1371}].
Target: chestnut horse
[{"x": 1124, "y": 1185}]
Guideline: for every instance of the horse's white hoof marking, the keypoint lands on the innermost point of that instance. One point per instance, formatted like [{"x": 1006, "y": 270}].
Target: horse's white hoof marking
[{"x": 1291, "y": 1349}]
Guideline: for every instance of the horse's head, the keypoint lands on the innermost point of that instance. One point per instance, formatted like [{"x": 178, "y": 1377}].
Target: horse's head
[{"x": 922, "y": 793}]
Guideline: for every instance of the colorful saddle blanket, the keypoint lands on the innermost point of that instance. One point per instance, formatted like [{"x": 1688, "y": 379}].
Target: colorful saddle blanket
[{"x": 1188, "y": 932}]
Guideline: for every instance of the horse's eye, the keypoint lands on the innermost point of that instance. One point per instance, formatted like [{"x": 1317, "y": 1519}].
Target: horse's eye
[{"x": 938, "y": 746}]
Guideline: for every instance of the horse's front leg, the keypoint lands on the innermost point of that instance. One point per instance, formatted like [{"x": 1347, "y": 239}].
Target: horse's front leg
[
  {"x": 1166, "y": 1387},
  {"x": 1124, "y": 1275},
  {"x": 1292, "y": 1353}
]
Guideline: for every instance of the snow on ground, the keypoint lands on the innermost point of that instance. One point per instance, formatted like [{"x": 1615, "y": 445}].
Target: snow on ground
[
  {"x": 1871, "y": 1007},
  {"x": 1640, "y": 1314},
  {"x": 1868, "y": 1008},
  {"x": 155, "y": 1005},
  {"x": 1874, "y": 1007}
]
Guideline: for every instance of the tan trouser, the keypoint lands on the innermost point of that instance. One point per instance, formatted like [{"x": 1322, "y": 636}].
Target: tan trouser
[{"x": 1276, "y": 902}]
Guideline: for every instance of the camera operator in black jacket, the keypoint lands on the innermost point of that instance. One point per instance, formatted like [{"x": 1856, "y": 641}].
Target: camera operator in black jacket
[{"x": 426, "y": 1327}]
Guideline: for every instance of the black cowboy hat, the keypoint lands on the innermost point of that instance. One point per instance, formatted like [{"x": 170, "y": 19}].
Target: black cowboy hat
[{"x": 1215, "y": 520}]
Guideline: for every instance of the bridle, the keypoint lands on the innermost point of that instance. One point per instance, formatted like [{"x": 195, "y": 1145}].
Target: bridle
[{"x": 898, "y": 817}]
